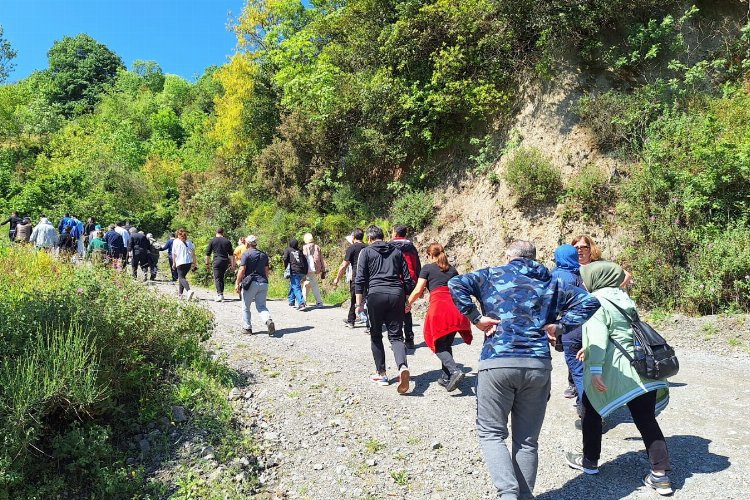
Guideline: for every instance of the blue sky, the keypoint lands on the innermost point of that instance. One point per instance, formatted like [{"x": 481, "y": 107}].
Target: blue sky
[{"x": 183, "y": 36}]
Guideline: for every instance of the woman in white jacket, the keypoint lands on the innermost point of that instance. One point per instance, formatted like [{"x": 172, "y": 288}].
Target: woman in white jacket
[{"x": 315, "y": 266}]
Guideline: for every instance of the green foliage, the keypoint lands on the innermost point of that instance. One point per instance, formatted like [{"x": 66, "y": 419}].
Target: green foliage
[
  {"x": 414, "y": 209},
  {"x": 79, "y": 69},
  {"x": 7, "y": 54},
  {"x": 589, "y": 193},
  {"x": 532, "y": 178}
]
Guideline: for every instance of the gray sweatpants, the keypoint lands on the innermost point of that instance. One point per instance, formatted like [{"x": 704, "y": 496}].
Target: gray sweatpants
[{"x": 521, "y": 393}]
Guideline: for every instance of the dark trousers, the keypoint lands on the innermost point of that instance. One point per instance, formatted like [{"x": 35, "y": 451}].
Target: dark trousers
[
  {"x": 643, "y": 410},
  {"x": 139, "y": 259},
  {"x": 153, "y": 262},
  {"x": 408, "y": 326},
  {"x": 444, "y": 352},
  {"x": 220, "y": 268},
  {"x": 182, "y": 271},
  {"x": 389, "y": 309},
  {"x": 173, "y": 271},
  {"x": 352, "y": 316}
]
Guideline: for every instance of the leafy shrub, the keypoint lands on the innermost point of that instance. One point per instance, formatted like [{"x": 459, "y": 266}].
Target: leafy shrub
[
  {"x": 532, "y": 178},
  {"x": 589, "y": 192},
  {"x": 414, "y": 209}
]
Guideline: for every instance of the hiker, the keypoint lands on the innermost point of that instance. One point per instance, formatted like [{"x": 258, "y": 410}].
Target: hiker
[
  {"x": 183, "y": 261},
  {"x": 566, "y": 269},
  {"x": 140, "y": 248},
  {"x": 115, "y": 246},
  {"x": 13, "y": 220},
  {"x": 23, "y": 231},
  {"x": 125, "y": 234},
  {"x": 348, "y": 267},
  {"x": 77, "y": 233},
  {"x": 223, "y": 253},
  {"x": 409, "y": 251},
  {"x": 66, "y": 244},
  {"x": 252, "y": 285},
  {"x": 168, "y": 248},
  {"x": 610, "y": 381},
  {"x": 240, "y": 249},
  {"x": 44, "y": 235},
  {"x": 515, "y": 363},
  {"x": 589, "y": 252},
  {"x": 316, "y": 266},
  {"x": 88, "y": 229},
  {"x": 97, "y": 249},
  {"x": 442, "y": 321},
  {"x": 296, "y": 263},
  {"x": 380, "y": 271},
  {"x": 66, "y": 221},
  {"x": 153, "y": 256}
]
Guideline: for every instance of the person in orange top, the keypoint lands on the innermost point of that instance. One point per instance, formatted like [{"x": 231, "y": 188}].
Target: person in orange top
[{"x": 443, "y": 320}]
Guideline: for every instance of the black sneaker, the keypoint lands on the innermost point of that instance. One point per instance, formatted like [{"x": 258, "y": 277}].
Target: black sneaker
[
  {"x": 661, "y": 484},
  {"x": 456, "y": 378},
  {"x": 247, "y": 331},
  {"x": 348, "y": 325},
  {"x": 578, "y": 461},
  {"x": 410, "y": 344},
  {"x": 271, "y": 327},
  {"x": 443, "y": 381},
  {"x": 570, "y": 392}
]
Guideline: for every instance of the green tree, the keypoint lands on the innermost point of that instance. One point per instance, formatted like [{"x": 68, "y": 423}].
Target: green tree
[
  {"x": 7, "y": 54},
  {"x": 79, "y": 69}
]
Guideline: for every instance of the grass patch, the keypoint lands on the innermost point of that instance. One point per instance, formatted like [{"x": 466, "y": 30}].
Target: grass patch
[{"x": 373, "y": 445}]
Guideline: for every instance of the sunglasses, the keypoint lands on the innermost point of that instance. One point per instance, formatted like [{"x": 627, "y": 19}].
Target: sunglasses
[{"x": 581, "y": 247}]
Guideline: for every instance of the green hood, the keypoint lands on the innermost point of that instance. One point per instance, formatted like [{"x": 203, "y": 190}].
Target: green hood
[{"x": 602, "y": 274}]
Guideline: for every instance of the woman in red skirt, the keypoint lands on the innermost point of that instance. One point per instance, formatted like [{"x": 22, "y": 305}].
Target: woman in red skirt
[{"x": 443, "y": 320}]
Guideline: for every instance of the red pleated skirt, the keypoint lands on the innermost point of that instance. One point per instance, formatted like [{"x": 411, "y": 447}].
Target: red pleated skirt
[{"x": 443, "y": 318}]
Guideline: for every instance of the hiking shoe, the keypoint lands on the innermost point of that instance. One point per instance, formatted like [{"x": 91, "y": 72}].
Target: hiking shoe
[
  {"x": 661, "y": 484},
  {"x": 219, "y": 297},
  {"x": 271, "y": 327},
  {"x": 247, "y": 331},
  {"x": 319, "y": 304},
  {"x": 302, "y": 307},
  {"x": 578, "y": 461},
  {"x": 348, "y": 325},
  {"x": 443, "y": 381},
  {"x": 570, "y": 392},
  {"x": 403, "y": 380},
  {"x": 190, "y": 295},
  {"x": 454, "y": 380},
  {"x": 379, "y": 379},
  {"x": 410, "y": 344}
]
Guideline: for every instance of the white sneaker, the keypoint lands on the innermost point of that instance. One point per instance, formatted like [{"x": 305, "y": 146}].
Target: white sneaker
[
  {"x": 190, "y": 295},
  {"x": 219, "y": 297}
]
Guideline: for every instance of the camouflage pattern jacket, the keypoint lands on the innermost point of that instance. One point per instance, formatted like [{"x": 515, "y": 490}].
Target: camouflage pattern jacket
[{"x": 524, "y": 296}]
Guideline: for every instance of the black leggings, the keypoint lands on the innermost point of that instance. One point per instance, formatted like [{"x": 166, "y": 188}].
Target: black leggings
[
  {"x": 220, "y": 268},
  {"x": 643, "y": 410},
  {"x": 182, "y": 271},
  {"x": 388, "y": 309},
  {"x": 444, "y": 352}
]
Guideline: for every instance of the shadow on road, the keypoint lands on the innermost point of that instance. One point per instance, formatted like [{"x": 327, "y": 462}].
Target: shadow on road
[
  {"x": 287, "y": 331},
  {"x": 622, "y": 476}
]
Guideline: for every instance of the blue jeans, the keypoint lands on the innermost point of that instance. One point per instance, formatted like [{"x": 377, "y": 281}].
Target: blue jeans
[
  {"x": 295, "y": 289},
  {"x": 576, "y": 367},
  {"x": 256, "y": 293}
]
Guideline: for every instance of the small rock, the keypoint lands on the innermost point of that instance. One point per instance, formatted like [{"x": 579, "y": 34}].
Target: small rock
[
  {"x": 235, "y": 394},
  {"x": 151, "y": 425},
  {"x": 342, "y": 449},
  {"x": 248, "y": 395},
  {"x": 318, "y": 466},
  {"x": 178, "y": 414},
  {"x": 270, "y": 436},
  {"x": 244, "y": 462},
  {"x": 371, "y": 462},
  {"x": 436, "y": 445},
  {"x": 208, "y": 453},
  {"x": 240, "y": 478}
]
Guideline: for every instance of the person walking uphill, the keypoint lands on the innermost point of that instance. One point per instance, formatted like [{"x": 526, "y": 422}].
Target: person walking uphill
[
  {"x": 140, "y": 247},
  {"x": 316, "y": 266},
  {"x": 252, "y": 285},
  {"x": 520, "y": 304},
  {"x": 23, "y": 231},
  {"x": 183, "y": 255},
  {"x": 14, "y": 220},
  {"x": 443, "y": 320},
  {"x": 295, "y": 260},
  {"x": 349, "y": 267},
  {"x": 409, "y": 251},
  {"x": 379, "y": 271},
  {"x": 44, "y": 234},
  {"x": 610, "y": 381},
  {"x": 223, "y": 253}
]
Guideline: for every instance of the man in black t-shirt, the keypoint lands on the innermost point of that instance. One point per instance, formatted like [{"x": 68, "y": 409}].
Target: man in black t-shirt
[
  {"x": 223, "y": 253},
  {"x": 252, "y": 280},
  {"x": 350, "y": 264},
  {"x": 13, "y": 220}
]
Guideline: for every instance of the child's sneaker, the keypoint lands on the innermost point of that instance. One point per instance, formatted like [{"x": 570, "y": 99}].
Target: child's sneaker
[
  {"x": 661, "y": 484},
  {"x": 379, "y": 379},
  {"x": 578, "y": 461}
]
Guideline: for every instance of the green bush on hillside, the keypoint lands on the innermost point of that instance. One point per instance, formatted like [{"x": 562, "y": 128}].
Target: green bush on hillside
[
  {"x": 532, "y": 178},
  {"x": 589, "y": 193},
  {"x": 413, "y": 209}
]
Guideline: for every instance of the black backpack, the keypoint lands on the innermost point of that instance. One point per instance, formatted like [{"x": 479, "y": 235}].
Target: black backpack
[{"x": 654, "y": 358}]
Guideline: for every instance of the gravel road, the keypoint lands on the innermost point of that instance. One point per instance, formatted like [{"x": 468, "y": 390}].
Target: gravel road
[{"x": 334, "y": 434}]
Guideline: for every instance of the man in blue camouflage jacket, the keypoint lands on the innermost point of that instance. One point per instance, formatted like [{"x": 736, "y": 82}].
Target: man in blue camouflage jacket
[{"x": 521, "y": 303}]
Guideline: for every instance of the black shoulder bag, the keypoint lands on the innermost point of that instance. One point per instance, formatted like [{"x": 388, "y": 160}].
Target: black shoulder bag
[{"x": 654, "y": 357}]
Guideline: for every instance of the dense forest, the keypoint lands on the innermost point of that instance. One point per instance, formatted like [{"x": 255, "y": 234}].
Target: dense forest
[{"x": 341, "y": 113}]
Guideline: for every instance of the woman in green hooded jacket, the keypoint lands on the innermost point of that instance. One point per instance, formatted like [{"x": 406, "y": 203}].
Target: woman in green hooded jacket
[{"x": 611, "y": 382}]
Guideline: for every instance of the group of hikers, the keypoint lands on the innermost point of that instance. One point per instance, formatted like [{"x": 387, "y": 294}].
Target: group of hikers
[{"x": 580, "y": 307}]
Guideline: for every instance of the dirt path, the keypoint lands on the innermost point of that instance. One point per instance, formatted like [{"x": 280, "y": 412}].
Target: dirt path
[{"x": 334, "y": 434}]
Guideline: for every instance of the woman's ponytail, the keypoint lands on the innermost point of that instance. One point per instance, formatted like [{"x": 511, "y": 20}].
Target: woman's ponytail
[{"x": 437, "y": 252}]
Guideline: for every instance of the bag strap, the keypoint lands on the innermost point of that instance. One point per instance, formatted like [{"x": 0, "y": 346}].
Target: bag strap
[{"x": 630, "y": 320}]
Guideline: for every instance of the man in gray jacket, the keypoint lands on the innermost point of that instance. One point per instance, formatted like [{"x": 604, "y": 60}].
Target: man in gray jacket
[{"x": 44, "y": 234}]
